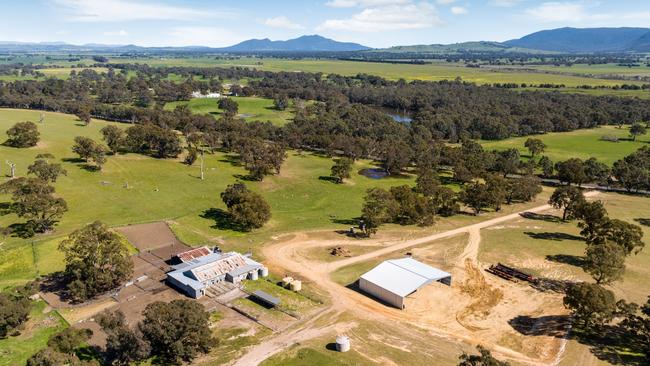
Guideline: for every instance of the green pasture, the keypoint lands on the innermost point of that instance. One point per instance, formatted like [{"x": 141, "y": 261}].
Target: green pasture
[
  {"x": 433, "y": 72},
  {"x": 591, "y": 75},
  {"x": 598, "y": 70},
  {"x": 581, "y": 144},
  {"x": 42, "y": 323},
  {"x": 168, "y": 190},
  {"x": 250, "y": 109}
]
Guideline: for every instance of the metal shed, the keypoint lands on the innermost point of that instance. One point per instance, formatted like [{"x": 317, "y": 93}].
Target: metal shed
[
  {"x": 266, "y": 298},
  {"x": 393, "y": 280}
]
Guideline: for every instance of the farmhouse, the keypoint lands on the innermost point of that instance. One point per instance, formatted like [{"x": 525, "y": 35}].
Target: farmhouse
[
  {"x": 393, "y": 280},
  {"x": 194, "y": 276}
]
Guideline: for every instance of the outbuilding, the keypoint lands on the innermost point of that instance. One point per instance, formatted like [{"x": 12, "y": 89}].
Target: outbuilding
[
  {"x": 393, "y": 280},
  {"x": 197, "y": 274}
]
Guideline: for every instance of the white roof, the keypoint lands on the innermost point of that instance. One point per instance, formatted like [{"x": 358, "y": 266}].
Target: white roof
[{"x": 403, "y": 276}]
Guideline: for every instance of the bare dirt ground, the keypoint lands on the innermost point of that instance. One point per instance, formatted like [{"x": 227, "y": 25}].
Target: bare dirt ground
[
  {"x": 477, "y": 309},
  {"x": 147, "y": 237},
  {"x": 307, "y": 331}
]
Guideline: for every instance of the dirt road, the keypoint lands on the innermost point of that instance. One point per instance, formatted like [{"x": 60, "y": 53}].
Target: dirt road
[{"x": 286, "y": 255}]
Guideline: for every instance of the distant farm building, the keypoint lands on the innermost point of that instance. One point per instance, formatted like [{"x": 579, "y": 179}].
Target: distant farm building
[
  {"x": 198, "y": 94},
  {"x": 195, "y": 275},
  {"x": 393, "y": 280}
]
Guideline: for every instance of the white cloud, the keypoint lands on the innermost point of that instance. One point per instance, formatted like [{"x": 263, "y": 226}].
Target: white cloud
[
  {"x": 577, "y": 12},
  {"x": 282, "y": 22},
  {"x": 445, "y": 2},
  {"x": 458, "y": 10},
  {"x": 385, "y": 18},
  {"x": 125, "y": 10},
  {"x": 364, "y": 3},
  {"x": 202, "y": 36},
  {"x": 505, "y": 3},
  {"x": 120, "y": 33},
  {"x": 553, "y": 12}
]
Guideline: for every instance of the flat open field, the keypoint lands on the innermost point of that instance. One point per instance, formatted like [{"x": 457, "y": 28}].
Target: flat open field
[
  {"x": 250, "y": 109},
  {"x": 579, "y": 144},
  {"x": 168, "y": 190},
  {"x": 433, "y": 72},
  {"x": 598, "y": 70},
  {"x": 438, "y": 70}
]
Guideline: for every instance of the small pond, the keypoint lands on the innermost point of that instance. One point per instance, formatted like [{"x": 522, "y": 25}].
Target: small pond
[
  {"x": 374, "y": 173},
  {"x": 397, "y": 115}
]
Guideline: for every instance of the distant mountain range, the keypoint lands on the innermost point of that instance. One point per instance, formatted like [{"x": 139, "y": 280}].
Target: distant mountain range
[
  {"x": 587, "y": 40},
  {"x": 302, "y": 44},
  {"x": 313, "y": 43},
  {"x": 479, "y": 46},
  {"x": 561, "y": 40}
]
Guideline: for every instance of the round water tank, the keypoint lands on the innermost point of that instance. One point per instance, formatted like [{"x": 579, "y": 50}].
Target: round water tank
[
  {"x": 342, "y": 343},
  {"x": 295, "y": 285},
  {"x": 264, "y": 272},
  {"x": 253, "y": 275}
]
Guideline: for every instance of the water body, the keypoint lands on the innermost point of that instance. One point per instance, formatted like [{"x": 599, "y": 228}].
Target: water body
[
  {"x": 374, "y": 173},
  {"x": 397, "y": 115}
]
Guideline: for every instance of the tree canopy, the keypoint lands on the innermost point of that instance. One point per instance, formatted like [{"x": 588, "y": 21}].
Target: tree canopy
[
  {"x": 247, "y": 209},
  {"x": 177, "y": 331},
  {"x": 23, "y": 134},
  {"x": 96, "y": 261}
]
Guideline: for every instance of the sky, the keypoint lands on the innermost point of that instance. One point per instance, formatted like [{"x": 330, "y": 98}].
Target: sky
[{"x": 374, "y": 23}]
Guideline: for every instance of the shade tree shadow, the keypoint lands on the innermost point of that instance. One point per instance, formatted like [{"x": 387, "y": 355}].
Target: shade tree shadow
[
  {"x": 549, "y": 325},
  {"x": 644, "y": 222},
  {"x": 572, "y": 260},
  {"x": 222, "y": 220},
  {"x": 56, "y": 283},
  {"x": 73, "y": 160},
  {"x": 544, "y": 284},
  {"x": 234, "y": 160},
  {"x": 329, "y": 179},
  {"x": 246, "y": 177},
  {"x": 542, "y": 217},
  {"x": 557, "y": 236},
  {"x": 610, "y": 343}
]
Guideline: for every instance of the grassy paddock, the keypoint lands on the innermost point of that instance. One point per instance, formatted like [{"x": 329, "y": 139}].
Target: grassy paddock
[
  {"x": 168, "y": 190},
  {"x": 579, "y": 144},
  {"x": 434, "y": 71},
  {"x": 250, "y": 108}
]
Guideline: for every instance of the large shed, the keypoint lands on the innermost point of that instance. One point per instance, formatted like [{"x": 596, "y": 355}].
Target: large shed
[
  {"x": 393, "y": 280},
  {"x": 196, "y": 275}
]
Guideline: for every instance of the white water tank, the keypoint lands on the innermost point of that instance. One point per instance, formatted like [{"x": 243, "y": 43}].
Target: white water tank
[
  {"x": 342, "y": 343},
  {"x": 264, "y": 272},
  {"x": 253, "y": 275},
  {"x": 295, "y": 285}
]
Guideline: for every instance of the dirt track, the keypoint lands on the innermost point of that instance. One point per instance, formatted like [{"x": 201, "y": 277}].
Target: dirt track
[{"x": 286, "y": 255}]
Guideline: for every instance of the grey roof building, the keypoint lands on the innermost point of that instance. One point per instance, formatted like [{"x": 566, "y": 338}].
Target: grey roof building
[
  {"x": 196, "y": 275},
  {"x": 393, "y": 280}
]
